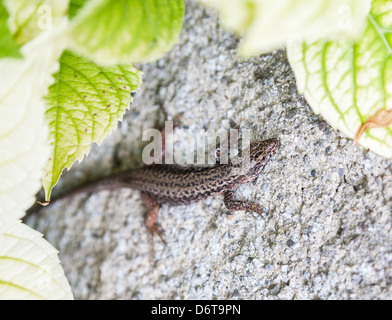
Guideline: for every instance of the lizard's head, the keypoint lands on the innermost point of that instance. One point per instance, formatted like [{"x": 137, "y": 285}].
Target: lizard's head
[{"x": 259, "y": 154}]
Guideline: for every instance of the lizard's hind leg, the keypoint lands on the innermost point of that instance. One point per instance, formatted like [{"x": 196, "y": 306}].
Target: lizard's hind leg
[{"x": 152, "y": 225}]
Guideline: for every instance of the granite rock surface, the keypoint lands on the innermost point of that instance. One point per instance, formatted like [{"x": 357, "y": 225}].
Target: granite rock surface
[{"x": 328, "y": 234}]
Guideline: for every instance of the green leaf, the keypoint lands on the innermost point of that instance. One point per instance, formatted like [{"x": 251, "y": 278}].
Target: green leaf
[
  {"x": 349, "y": 82},
  {"x": 127, "y": 31},
  {"x": 266, "y": 24},
  {"x": 8, "y": 47},
  {"x": 29, "y": 266},
  {"x": 83, "y": 106},
  {"x": 30, "y": 18},
  {"x": 75, "y": 6}
]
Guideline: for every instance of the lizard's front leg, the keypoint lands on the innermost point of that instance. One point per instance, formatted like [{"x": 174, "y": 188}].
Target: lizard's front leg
[{"x": 236, "y": 205}]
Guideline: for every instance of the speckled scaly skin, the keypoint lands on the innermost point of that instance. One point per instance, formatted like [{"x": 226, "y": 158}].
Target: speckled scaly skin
[{"x": 173, "y": 185}]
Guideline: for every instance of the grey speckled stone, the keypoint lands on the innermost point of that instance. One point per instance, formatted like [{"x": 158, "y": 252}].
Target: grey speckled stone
[{"x": 328, "y": 234}]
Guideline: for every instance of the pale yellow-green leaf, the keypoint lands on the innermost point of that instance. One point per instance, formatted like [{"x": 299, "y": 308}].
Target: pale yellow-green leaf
[
  {"x": 29, "y": 18},
  {"x": 23, "y": 131},
  {"x": 29, "y": 266},
  {"x": 83, "y": 106},
  {"x": 126, "y": 31},
  {"x": 347, "y": 82},
  {"x": 266, "y": 24}
]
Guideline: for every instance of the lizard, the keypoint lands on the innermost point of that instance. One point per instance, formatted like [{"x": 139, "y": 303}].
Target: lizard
[{"x": 169, "y": 184}]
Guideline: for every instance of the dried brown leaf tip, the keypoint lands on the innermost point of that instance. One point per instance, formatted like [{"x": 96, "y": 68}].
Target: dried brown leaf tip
[
  {"x": 44, "y": 203},
  {"x": 381, "y": 119}
]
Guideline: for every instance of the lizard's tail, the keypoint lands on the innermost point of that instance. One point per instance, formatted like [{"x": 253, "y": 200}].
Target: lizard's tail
[{"x": 111, "y": 182}]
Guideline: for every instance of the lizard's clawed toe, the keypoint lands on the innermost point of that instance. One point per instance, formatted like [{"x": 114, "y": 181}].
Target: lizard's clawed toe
[
  {"x": 156, "y": 229},
  {"x": 177, "y": 119},
  {"x": 257, "y": 209}
]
